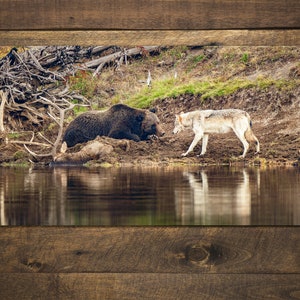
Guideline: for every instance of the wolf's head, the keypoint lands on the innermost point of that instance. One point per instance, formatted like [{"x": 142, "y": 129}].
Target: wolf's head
[
  {"x": 179, "y": 123},
  {"x": 185, "y": 121}
]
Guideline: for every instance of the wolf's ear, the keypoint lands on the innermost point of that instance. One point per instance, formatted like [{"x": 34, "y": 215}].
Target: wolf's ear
[{"x": 179, "y": 118}]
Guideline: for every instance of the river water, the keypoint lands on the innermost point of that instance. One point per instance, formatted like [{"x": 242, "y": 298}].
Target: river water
[{"x": 149, "y": 196}]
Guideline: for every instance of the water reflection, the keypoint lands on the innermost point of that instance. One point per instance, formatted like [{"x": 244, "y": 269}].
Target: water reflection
[
  {"x": 226, "y": 200},
  {"x": 150, "y": 196}
]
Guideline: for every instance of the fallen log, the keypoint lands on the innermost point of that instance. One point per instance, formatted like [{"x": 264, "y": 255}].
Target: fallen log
[{"x": 125, "y": 53}]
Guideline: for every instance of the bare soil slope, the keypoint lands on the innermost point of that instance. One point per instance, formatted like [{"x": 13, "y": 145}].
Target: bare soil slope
[{"x": 276, "y": 124}]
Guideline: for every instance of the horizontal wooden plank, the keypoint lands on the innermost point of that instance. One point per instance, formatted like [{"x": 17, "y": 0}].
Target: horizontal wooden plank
[
  {"x": 159, "y": 37},
  {"x": 150, "y": 249},
  {"x": 149, "y": 286},
  {"x": 148, "y": 15}
]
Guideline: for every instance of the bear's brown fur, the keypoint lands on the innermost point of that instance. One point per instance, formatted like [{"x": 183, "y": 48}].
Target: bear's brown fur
[{"x": 119, "y": 122}]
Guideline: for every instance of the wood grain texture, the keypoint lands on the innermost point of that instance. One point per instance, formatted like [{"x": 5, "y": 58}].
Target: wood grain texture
[
  {"x": 150, "y": 262},
  {"x": 156, "y": 22},
  {"x": 156, "y": 37},
  {"x": 198, "y": 250},
  {"x": 149, "y": 286},
  {"x": 148, "y": 15}
]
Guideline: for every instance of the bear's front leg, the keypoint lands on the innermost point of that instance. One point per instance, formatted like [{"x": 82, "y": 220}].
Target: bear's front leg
[{"x": 124, "y": 135}]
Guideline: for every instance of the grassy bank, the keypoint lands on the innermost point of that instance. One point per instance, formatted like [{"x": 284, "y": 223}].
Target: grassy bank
[
  {"x": 207, "y": 71},
  {"x": 172, "y": 88}
]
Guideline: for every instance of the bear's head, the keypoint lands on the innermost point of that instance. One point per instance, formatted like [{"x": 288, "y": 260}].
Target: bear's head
[{"x": 151, "y": 125}]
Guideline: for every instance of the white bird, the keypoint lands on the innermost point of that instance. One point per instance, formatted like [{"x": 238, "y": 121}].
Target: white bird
[{"x": 149, "y": 79}]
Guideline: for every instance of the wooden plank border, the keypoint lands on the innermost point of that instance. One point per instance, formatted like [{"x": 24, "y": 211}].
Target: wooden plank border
[
  {"x": 278, "y": 37},
  {"x": 149, "y": 286},
  {"x": 156, "y": 22},
  {"x": 149, "y": 263},
  {"x": 199, "y": 250},
  {"x": 149, "y": 15}
]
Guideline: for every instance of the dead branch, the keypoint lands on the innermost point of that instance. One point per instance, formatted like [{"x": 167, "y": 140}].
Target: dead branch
[
  {"x": 61, "y": 122},
  {"x": 31, "y": 143},
  {"x": 2, "y": 105},
  {"x": 34, "y": 90},
  {"x": 113, "y": 57},
  {"x": 35, "y": 154}
]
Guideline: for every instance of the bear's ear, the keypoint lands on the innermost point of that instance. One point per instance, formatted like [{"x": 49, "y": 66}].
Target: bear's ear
[{"x": 140, "y": 118}]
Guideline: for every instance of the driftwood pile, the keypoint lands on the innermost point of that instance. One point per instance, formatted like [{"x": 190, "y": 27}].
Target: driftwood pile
[{"x": 34, "y": 90}]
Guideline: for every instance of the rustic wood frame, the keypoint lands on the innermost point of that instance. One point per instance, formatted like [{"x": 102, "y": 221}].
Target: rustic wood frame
[{"x": 150, "y": 262}]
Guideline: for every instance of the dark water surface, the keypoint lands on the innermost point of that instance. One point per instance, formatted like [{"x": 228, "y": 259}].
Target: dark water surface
[{"x": 150, "y": 196}]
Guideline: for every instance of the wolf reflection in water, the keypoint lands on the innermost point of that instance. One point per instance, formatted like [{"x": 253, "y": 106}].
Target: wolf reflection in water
[{"x": 221, "y": 204}]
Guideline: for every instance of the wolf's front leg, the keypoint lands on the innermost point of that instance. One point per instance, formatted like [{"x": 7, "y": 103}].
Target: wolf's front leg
[{"x": 197, "y": 138}]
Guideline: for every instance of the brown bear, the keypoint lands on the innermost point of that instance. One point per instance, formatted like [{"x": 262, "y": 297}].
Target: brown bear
[{"x": 119, "y": 122}]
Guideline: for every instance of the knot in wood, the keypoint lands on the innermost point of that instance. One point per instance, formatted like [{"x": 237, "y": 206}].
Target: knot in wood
[
  {"x": 205, "y": 253},
  {"x": 196, "y": 253},
  {"x": 78, "y": 252}
]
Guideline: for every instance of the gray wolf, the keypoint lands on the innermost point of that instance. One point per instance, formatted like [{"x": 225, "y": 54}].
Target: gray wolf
[
  {"x": 119, "y": 122},
  {"x": 204, "y": 122}
]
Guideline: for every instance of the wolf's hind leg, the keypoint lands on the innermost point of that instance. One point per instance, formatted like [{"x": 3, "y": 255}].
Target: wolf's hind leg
[{"x": 242, "y": 138}]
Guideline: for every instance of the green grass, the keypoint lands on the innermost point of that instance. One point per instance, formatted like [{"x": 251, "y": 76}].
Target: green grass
[
  {"x": 14, "y": 135},
  {"x": 172, "y": 88},
  {"x": 245, "y": 58}
]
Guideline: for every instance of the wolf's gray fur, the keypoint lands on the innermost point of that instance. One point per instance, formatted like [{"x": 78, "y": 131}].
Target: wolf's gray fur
[{"x": 203, "y": 122}]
